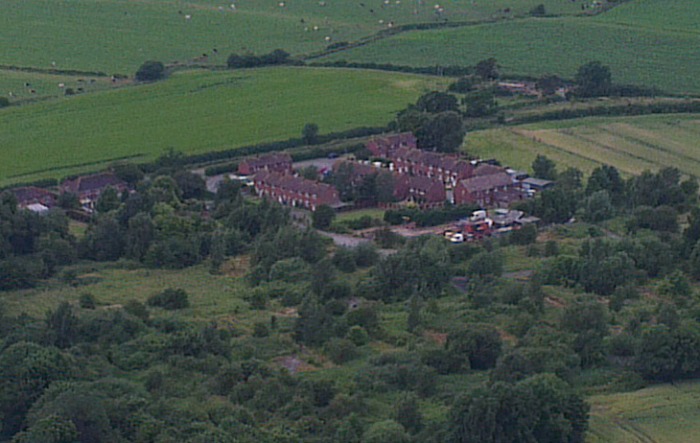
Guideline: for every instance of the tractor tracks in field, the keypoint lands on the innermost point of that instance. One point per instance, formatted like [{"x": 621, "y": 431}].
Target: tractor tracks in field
[{"x": 640, "y": 435}]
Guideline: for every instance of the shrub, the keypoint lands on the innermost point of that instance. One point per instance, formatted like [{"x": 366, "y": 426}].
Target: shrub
[
  {"x": 150, "y": 71},
  {"x": 137, "y": 309},
  {"x": 340, "y": 350},
  {"x": 260, "y": 330},
  {"x": 358, "y": 335},
  {"x": 170, "y": 299},
  {"x": 4, "y": 101},
  {"x": 87, "y": 301}
]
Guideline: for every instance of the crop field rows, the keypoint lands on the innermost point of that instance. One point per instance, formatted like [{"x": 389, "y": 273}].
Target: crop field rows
[{"x": 632, "y": 145}]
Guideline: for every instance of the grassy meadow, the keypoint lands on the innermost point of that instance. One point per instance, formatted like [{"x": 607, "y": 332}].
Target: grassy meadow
[
  {"x": 118, "y": 35},
  {"x": 195, "y": 112},
  {"x": 663, "y": 413},
  {"x": 13, "y": 85},
  {"x": 641, "y": 44},
  {"x": 631, "y": 144}
]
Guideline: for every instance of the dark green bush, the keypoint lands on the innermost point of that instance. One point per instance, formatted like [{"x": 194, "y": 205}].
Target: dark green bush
[{"x": 170, "y": 299}]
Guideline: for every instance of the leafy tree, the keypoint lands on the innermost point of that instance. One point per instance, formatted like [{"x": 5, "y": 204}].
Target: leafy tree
[
  {"x": 87, "y": 301},
  {"x": 340, "y": 350},
  {"x": 486, "y": 265},
  {"x": 150, "y": 71},
  {"x": 487, "y": 69},
  {"x": 662, "y": 218},
  {"x": 480, "y": 103},
  {"x": 442, "y": 132},
  {"x": 607, "y": 178},
  {"x": 593, "y": 80},
  {"x": 538, "y": 11},
  {"x": 414, "y": 313},
  {"x": 191, "y": 185},
  {"x": 290, "y": 270},
  {"x": 309, "y": 134},
  {"x": 61, "y": 326},
  {"x": 588, "y": 320},
  {"x": 598, "y": 207},
  {"x": 478, "y": 344},
  {"x": 548, "y": 84},
  {"x": 544, "y": 168},
  {"x": 411, "y": 120},
  {"x": 666, "y": 354},
  {"x": 554, "y": 205},
  {"x": 436, "y": 102},
  {"x": 384, "y": 187},
  {"x": 20, "y": 272},
  {"x": 524, "y": 236},
  {"x": 538, "y": 409},
  {"x": 53, "y": 428},
  {"x": 314, "y": 325},
  {"x": 139, "y": 236},
  {"x": 462, "y": 85},
  {"x": 408, "y": 413},
  {"x": 108, "y": 201},
  {"x": 104, "y": 240},
  {"x": 323, "y": 217},
  {"x": 344, "y": 259},
  {"x": 26, "y": 370},
  {"x": 386, "y": 431},
  {"x": 129, "y": 172}
]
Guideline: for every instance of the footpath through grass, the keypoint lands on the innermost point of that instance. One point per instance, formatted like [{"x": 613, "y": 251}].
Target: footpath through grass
[{"x": 196, "y": 112}]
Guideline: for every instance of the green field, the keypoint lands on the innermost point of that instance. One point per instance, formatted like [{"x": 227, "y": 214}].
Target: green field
[
  {"x": 664, "y": 413},
  {"x": 117, "y": 35},
  {"x": 631, "y": 144},
  {"x": 195, "y": 112},
  {"x": 13, "y": 85},
  {"x": 641, "y": 44}
]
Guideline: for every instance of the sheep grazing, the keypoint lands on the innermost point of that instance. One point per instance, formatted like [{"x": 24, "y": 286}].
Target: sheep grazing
[{"x": 188, "y": 16}]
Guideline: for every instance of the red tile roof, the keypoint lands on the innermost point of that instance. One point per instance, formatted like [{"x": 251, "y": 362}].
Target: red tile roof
[
  {"x": 92, "y": 183},
  {"x": 486, "y": 182}
]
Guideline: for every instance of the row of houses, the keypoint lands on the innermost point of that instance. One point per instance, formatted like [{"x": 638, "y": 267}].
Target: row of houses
[
  {"x": 464, "y": 182},
  {"x": 295, "y": 191},
  {"x": 422, "y": 177},
  {"x": 86, "y": 188}
]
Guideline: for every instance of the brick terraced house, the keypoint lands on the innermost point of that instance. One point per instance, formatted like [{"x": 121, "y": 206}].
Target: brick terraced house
[
  {"x": 88, "y": 188},
  {"x": 384, "y": 146},
  {"x": 449, "y": 169},
  {"x": 496, "y": 189},
  {"x": 279, "y": 162},
  {"x": 31, "y": 195},
  {"x": 425, "y": 191},
  {"x": 295, "y": 191}
]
